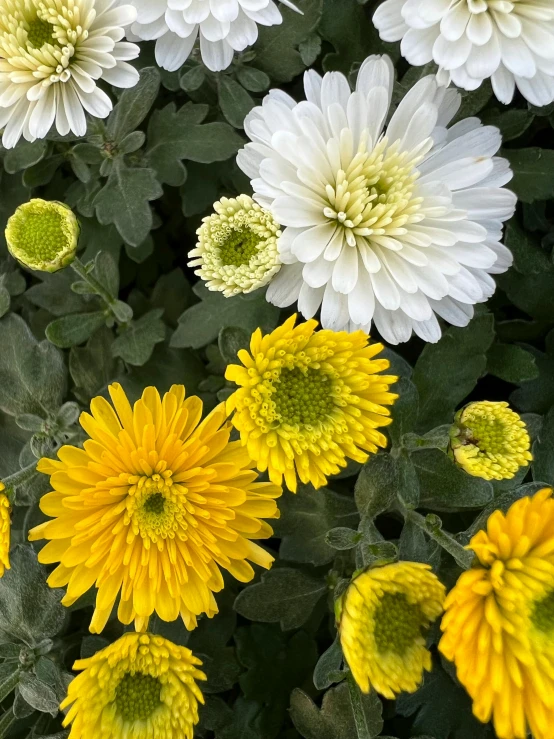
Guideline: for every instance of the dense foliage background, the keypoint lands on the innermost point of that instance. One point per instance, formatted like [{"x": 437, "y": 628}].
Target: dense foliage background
[{"x": 140, "y": 183}]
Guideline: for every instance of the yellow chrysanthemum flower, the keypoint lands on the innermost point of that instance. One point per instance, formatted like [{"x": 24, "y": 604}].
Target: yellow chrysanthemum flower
[
  {"x": 382, "y": 620},
  {"x": 140, "y": 687},
  {"x": 489, "y": 440},
  {"x": 5, "y": 530},
  {"x": 43, "y": 235},
  {"x": 237, "y": 247},
  {"x": 499, "y": 621},
  {"x": 152, "y": 507},
  {"x": 308, "y": 401}
]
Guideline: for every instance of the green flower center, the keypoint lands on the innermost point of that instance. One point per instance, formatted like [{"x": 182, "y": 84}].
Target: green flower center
[
  {"x": 41, "y": 235},
  {"x": 543, "y": 614},
  {"x": 155, "y": 504},
  {"x": 303, "y": 397},
  {"x": 398, "y": 623},
  {"x": 490, "y": 436},
  {"x": 40, "y": 33},
  {"x": 137, "y": 696},
  {"x": 239, "y": 247}
]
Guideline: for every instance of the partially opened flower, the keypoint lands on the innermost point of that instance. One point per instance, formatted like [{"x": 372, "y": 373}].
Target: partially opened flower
[
  {"x": 489, "y": 440},
  {"x": 237, "y": 247},
  {"x": 383, "y": 618},
  {"x": 152, "y": 508},
  {"x": 499, "y": 620},
  {"x": 141, "y": 686},
  {"x": 5, "y": 530},
  {"x": 43, "y": 235},
  {"x": 52, "y": 54},
  {"x": 392, "y": 224},
  {"x": 223, "y": 27},
  {"x": 510, "y": 41},
  {"x": 309, "y": 401}
]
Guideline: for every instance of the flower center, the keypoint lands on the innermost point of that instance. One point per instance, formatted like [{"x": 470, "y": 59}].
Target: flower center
[
  {"x": 239, "y": 247},
  {"x": 398, "y": 623},
  {"x": 40, "y": 235},
  {"x": 543, "y": 614},
  {"x": 156, "y": 508},
  {"x": 137, "y": 696},
  {"x": 40, "y": 32},
  {"x": 374, "y": 195},
  {"x": 154, "y": 504},
  {"x": 303, "y": 397}
]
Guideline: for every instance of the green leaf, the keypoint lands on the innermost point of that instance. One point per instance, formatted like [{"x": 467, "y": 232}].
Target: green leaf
[
  {"x": 335, "y": 719},
  {"x": 305, "y": 520},
  {"x": 201, "y": 324},
  {"x": 443, "y": 709},
  {"x": 446, "y": 372},
  {"x": 253, "y": 79},
  {"x": 285, "y": 595},
  {"x": 543, "y": 451},
  {"x": 342, "y": 538},
  {"x": 537, "y": 396},
  {"x": 276, "y": 663},
  {"x": 511, "y": 363},
  {"x": 174, "y": 135},
  {"x": 231, "y": 340},
  {"x": 30, "y": 611},
  {"x": 533, "y": 173},
  {"x": 532, "y": 293},
  {"x": 5, "y": 301},
  {"x": 234, "y": 101},
  {"x": 444, "y": 486},
  {"x": 32, "y": 374},
  {"x": 376, "y": 486},
  {"x": 136, "y": 344},
  {"x": 37, "y": 694},
  {"x": 134, "y": 105},
  {"x": 404, "y": 411},
  {"x": 328, "y": 666},
  {"x": 529, "y": 257},
  {"x": 277, "y": 47},
  {"x": 124, "y": 201},
  {"x": 512, "y": 123},
  {"x": 93, "y": 366},
  {"x": 9, "y": 681},
  {"x": 24, "y": 155},
  {"x": 347, "y": 27},
  {"x": 74, "y": 329}
]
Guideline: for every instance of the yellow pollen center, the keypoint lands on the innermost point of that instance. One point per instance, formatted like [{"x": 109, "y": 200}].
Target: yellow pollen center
[
  {"x": 40, "y": 32},
  {"x": 137, "y": 696},
  {"x": 156, "y": 508},
  {"x": 542, "y": 615},
  {"x": 398, "y": 623},
  {"x": 374, "y": 195},
  {"x": 303, "y": 397}
]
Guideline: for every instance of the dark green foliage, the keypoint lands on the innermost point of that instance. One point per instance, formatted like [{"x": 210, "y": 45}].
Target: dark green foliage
[{"x": 132, "y": 311}]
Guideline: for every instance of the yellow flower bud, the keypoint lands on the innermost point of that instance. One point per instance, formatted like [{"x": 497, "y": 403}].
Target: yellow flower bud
[{"x": 43, "y": 235}]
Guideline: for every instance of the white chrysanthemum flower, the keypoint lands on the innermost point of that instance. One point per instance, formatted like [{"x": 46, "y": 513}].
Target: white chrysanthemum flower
[
  {"x": 391, "y": 226},
  {"x": 237, "y": 247},
  {"x": 224, "y": 26},
  {"x": 510, "y": 41},
  {"x": 52, "y": 53}
]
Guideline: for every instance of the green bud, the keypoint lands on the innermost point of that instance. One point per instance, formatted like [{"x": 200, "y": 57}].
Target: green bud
[{"x": 43, "y": 235}]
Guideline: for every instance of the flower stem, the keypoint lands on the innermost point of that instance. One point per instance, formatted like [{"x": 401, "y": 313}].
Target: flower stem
[
  {"x": 432, "y": 526},
  {"x": 93, "y": 283},
  {"x": 362, "y": 729}
]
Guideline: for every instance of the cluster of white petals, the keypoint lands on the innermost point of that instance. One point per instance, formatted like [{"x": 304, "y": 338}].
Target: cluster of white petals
[
  {"x": 223, "y": 26},
  {"x": 386, "y": 224},
  {"x": 52, "y": 53},
  {"x": 510, "y": 41}
]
